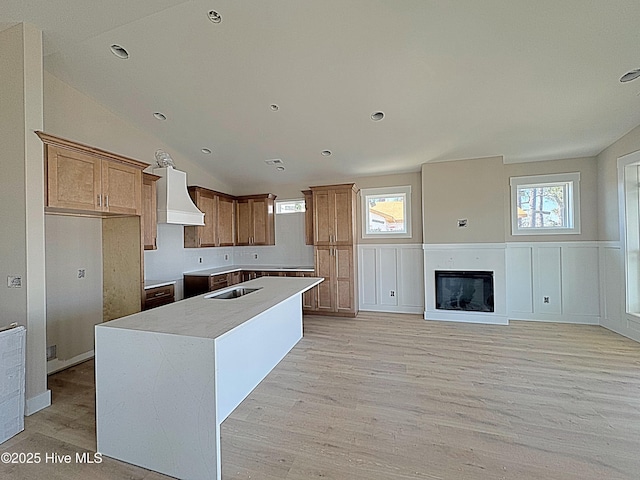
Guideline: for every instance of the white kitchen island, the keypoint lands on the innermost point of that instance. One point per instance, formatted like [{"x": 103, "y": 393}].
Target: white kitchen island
[{"x": 167, "y": 378}]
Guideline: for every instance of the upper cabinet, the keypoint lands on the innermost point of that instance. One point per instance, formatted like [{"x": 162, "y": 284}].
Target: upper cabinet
[
  {"x": 255, "y": 220},
  {"x": 308, "y": 217},
  {"x": 218, "y": 229},
  {"x": 149, "y": 215},
  {"x": 334, "y": 218},
  {"x": 85, "y": 179}
]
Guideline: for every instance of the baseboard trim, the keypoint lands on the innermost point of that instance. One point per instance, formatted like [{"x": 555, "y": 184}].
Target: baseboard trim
[
  {"x": 37, "y": 403},
  {"x": 390, "y": 309},
  {"x": 56, "y": 365}
]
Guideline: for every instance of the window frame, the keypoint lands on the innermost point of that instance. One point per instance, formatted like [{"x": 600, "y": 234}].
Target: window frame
[
  {"x": 405, "y": 191},
  {"x": 290, "y": 200},
  {"x": 572, "y": 203}
]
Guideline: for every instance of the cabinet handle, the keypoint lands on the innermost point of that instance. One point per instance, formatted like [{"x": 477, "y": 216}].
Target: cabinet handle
[
  {"x": 106, "y": 201},
  {"x": 159, "y": 294},
  {"x": 99, "y": 200}
]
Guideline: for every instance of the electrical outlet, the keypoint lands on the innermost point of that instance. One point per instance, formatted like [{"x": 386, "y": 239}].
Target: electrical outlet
[
  {"x": 226, "y": 256},
  {"x": 462, "y": 222},
  {"x": 14, "y": 281},
  {"x": 545, "y": 299},
  {"x": 81, "y": 273},
  {"x": 392, "y": 293},
  {"x": 199, "y": 259},
  {"x": 255, "y": 256}
]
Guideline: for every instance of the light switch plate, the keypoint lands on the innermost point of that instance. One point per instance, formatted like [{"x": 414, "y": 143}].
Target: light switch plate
[{"x": 14, "y": 281}]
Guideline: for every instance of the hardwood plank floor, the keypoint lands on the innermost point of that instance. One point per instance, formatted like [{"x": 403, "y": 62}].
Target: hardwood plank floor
[{"x": 392, "y": 397}]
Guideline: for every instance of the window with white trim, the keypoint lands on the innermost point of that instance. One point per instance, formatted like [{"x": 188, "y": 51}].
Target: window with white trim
[
  {"x": 386, "y": 212},
  {"x": 290, "y": 206},
  {"x": 545, "y": 204}
]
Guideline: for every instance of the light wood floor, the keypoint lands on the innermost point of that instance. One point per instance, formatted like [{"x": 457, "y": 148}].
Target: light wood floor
[{"x": 393, "y": 397}]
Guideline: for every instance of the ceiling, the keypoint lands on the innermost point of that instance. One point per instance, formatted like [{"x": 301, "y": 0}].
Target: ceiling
[{"x": 455, "y": 79}]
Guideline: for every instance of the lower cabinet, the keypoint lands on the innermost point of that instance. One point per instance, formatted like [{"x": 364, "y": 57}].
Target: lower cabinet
[
  {"x": 336, "y": 295},
  {"x": 199, "y": 284},
  {"x": 158, "y": 296}
]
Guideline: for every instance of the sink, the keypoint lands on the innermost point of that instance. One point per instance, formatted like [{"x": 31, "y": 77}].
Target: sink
[{"x": 232, "y": 293}]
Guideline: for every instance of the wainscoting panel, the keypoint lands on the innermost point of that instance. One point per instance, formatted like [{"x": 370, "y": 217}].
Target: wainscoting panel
[
  {"x": 390, "y": 278},
  {"x": 387, "y": 276},
  {"x": 580, "y": 280},
  {"x": 562, "y": 279},
  {"x": 547, "y": 294},
  {"x": 520, "y": 279}
]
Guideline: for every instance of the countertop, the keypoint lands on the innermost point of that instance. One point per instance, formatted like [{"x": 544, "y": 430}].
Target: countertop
[
  {"x": 253, "y": 268},
  {"x": 157, "y": 283},
  {"x": 210, "y": 318}
]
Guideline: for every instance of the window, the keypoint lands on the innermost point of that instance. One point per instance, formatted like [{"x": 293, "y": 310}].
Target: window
[
  {"x": 290, "y": 206},
  {"x": 545, "y": 204},
  {"x": 386, "y": 212}
]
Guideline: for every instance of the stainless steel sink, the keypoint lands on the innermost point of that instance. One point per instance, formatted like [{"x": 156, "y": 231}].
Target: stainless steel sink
[{"x": 232, "y": 293}]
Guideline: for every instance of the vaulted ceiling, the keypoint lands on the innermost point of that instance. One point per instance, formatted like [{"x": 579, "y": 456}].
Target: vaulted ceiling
[{"x": 529, "y": 80}]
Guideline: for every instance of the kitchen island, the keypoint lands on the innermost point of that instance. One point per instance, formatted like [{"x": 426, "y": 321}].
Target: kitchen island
[{"x": 166, "y": 378}]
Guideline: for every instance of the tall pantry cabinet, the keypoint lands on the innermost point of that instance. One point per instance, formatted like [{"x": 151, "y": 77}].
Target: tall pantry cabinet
[{"x": 334, "y": 234}]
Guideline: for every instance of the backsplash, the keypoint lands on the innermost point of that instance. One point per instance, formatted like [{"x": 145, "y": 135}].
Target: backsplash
[{"x": 171, "y": 259}]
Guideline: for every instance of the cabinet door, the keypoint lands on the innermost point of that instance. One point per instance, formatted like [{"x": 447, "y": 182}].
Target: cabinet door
[
  {"x": 149, "y": 213},
  {"x": 226, "y": 224},
  {"x": 344, "y": 279},
  {"x": 325, "y": 268},
  {"x": 308, "y": 217},
  {"x": 121, "y": 188},
  {"x": 259, "y": 221},
  {"x": 341, "y": 210},
  {"x": 322, "y": 225},
  {"x": 73, "y": 180},
  {"x": 243, "y": 222},
  {"x": 206, "y": 203}
]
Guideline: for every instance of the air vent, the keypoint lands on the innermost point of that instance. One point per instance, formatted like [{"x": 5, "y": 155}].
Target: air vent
[{"x": 275, "y": 161}]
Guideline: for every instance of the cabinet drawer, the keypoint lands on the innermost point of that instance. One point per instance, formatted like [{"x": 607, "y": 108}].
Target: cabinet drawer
[{"x": 155, "y": 297}]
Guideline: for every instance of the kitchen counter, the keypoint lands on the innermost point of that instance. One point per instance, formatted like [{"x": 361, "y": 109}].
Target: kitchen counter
[
  {"x": 157, "y": 283},
  {"x": 166, "y": 378}
]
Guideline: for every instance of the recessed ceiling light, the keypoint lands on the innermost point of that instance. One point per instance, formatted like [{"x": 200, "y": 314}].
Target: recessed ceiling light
[
  {"x": 377, "y": 116},
  {"x": 632, "y": 75},
  {"x": 280, "y": 168},
  {"x": 274, "y": 107},
  {"x": 119, "y": 51},
  {"x": 326, "y": 153},
  {"x": 206, "y": 151},
  {"x": 214, "y": 16},
  {"x": 160, "y": 115}
]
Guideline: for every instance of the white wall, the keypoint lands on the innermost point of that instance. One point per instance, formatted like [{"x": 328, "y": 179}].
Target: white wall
[
  {"x": 22, "y": 200},
  {"x": 74, "y": 305}
]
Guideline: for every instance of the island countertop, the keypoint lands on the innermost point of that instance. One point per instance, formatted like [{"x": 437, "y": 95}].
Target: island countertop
[{"x": 210, "y": 317}]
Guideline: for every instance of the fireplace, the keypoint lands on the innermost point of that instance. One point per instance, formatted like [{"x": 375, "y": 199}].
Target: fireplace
[{"x": 470, "y": 291}]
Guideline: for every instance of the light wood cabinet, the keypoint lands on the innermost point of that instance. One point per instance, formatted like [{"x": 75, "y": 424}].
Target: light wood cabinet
[
  {"x": 334, "y": 214},
  {"x": 85, "y": 179},
  {"x": 218, "y": 228},
  {"x": 308, "y": 217},
  {"x": 337, "y": 294},
  {"x": 255, "y": 220},
  {"x": 334, "y": 234},
  {"x": 149, "y": 214}
]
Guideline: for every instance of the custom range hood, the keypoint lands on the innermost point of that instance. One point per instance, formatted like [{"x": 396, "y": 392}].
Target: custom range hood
[{"x": 174, "y": 203}]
